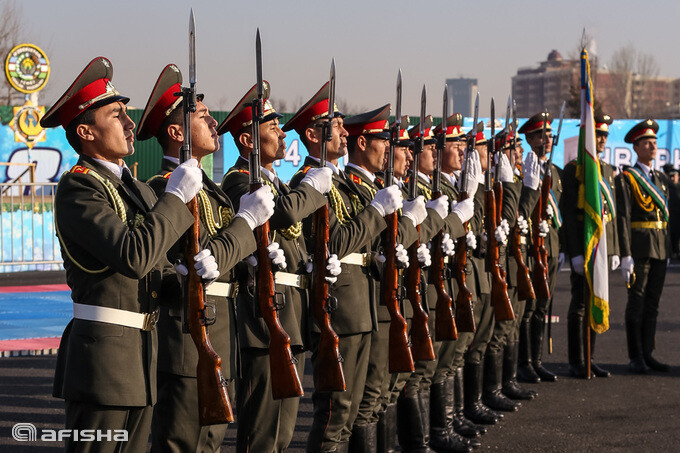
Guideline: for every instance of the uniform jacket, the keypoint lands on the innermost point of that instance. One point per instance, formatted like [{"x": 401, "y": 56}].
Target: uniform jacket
[
  {"x": 641, "y": 242},
  {"x": 103, "y": 363},
  {"x": 177, "y": 352},
  {"x": 291, "y": 206}
]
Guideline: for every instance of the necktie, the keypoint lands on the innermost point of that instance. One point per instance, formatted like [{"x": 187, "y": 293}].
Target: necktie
[{"x": 129, "y": 183}]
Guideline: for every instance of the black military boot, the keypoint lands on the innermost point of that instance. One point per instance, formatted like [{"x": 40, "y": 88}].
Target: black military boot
[
  {"x": 442, "y": 437},
  {"x": 462, "y": 425},
  {"x": 634, "y": 338},
  {"x": 511, "y": 388},
  {"x": 525, "y": 372},
  {"x": 537, "y": 331},
  {"x": 363, "y": 439},
  {"x": 411, "y": 431},
  {"x": 387, "y": 430},
  {"x": 491, "y": 393},
  {"x": 473, "y": 408},
  {"x": 342, "y": 447},
  {"x": 648, "y": 335},
  {"x": 595, "y": 369},
  {"x": 577, "y": 366}
]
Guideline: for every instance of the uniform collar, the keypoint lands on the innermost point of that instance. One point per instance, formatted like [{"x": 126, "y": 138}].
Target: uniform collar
[
  {"x": 335, "y": 169},
  {"x": 370, "y": 176},
  {"x": 645, "y": 169},
  {"x": 271, "y": 175},
  {"x": 450, "y": 178},
  {"x": 424, "y": 176},
  {"x": 116, "y": 169}
]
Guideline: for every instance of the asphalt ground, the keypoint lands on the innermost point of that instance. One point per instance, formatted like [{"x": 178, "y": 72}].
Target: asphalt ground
[{"x": 623, "y": 413}]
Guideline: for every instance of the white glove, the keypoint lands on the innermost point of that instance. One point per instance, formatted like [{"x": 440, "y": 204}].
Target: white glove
[
  {"x": 424, "y": 256},
  {"x": 616, "y": 262},
  {"x": 448, "y": 246},
  {"x": 388, "y": 200},
  {"x": 506, "y": 227},
  {"x": 476, "y": 175},
  {"x": 627, "y": 266},
  {"x": 319, "y": 178},
  {"x": 185, "y": 181},
  {"x": 402, "y": 256},
  {"x": 505, "y": 170},
  {"x": 256, "y": 207},
  {"x": 471, "y": 240},
  {"x": 333, "y": 267},
  {"x": 543, "y": 228},
  {"x": 441, "y": 205},
  {"x": 415, "y": 210},
  {"x": 464, "y": 210},
  {"x": 578, "y": 263},
  {"x": 549, "y": 211},
  {"x": 523, "y": 225},
  {"x": 532, "y": 171},
  {"x": 501, "y": 236},
  {"x": 561, "y": 258},
  {"x": 484, "y": 238},
  {"x": 276, "y": 255},
  {"x": 205, "y": 265}
]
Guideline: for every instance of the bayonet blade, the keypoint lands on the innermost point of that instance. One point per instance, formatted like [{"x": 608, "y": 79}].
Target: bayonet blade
[
  {"x": 493, "y": 119},
  {"x": 423, "y": 100},
  {"x": 445, "y": 108},
  {"x": 559, "y": 125},
  {"x": 258, "y": 66},
  {"x": 397, "y": 118},
  {"x": 507, "y": 114},
  {"x": 192, "y": 48},
  {"x": 331, "y": 97}
]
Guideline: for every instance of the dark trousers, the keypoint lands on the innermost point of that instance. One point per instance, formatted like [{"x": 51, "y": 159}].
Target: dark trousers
[
  {"x": 174, "y": 426},
  {"x": 484, "y": 319},
  {"x": 135, "y": 420},
  {"x": 507, "y": 331},
  {"x": 263, "y": 423},
  {"x": 377, "y": 376},
  {"x": 335, "y": 412},
  {"x": 643, "y": 305}
]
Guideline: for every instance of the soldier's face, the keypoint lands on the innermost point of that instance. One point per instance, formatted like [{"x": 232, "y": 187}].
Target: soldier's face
[
  {"x": 645, "y": 149},
  {"x": 272, "y": 143},
  {"x": 374, "y": 153},
  {"x": 451, "y": 156},
  {"x": 426, "y": 162},
  {"x": 600, "y": 141},
  {"x": 111, "y": 134},
  {"x": 535, "y": 140},
  {"x": 401, "y": 162},
  {"x": 519, "y": 152},
  {"x": 481, "y": 149},
  {"x": 204, "y": 138},
  {"x": 337, "y": 147}
]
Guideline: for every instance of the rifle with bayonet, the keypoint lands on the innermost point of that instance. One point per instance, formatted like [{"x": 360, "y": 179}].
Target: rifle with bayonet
[
  {"x": 444, "y": 322},
  {"x": 539, "y": 276},
  {"x": 214, "y": 406},
  {"x": 464, "y": 316},
  {"x": 399, "y": 356},
  {"x": 420, "y": 331},
  {"x": 330, "y": 377},
  {"x": 525, "y": 290},
  {"x": 499, "y": 287},
  {"x": 285, "y": 379}
]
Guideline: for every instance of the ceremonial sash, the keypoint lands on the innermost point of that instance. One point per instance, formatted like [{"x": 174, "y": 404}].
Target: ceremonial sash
[
  {"x": 607, "y": 195},
  {"x": 557, "y": 215},
  {"x": 639, "y": 179}
]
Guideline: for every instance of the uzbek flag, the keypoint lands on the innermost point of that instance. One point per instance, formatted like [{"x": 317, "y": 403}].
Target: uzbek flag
[{"x": 591, "y": 200}]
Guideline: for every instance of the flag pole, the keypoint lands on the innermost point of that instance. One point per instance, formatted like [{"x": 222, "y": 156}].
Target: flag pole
[{"x": 587, "y": 332}]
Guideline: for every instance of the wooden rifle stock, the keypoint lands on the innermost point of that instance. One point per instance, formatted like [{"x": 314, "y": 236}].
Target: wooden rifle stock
[
  {"x": 444, "y": 322},
  {"x": 465, "y": 318},
  {"x": 214, "y": 407},
  {"x": 285, "y": 379},
  {"x": 400, "y": 357},
  {"x": 421, "y": 342},
  {"x": 330, "y": 377},
  {"x": 499, "y": 287},
  {"x": 525, "y": 289},
  {"x": 539, "y": 276}
]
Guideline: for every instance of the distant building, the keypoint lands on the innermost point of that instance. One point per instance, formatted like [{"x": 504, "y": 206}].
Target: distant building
[
  {"x": 545, "y": 87},
  {"x": 462, "y": 93}
]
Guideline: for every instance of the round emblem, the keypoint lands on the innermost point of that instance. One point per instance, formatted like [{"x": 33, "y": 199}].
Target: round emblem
[{"x": 27, "y": 68}]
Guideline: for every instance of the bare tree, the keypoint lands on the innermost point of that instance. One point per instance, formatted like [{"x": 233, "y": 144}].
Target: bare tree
[{"x": 11, "y": 27}]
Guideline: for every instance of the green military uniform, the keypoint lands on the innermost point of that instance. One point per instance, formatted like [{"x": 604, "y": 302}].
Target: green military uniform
[
  {"x": 105, "y": 371},
  {"x": 573, "y": 236},
  {"x": 175, "y": 422},
  {"x": 642, "y": 222},
  {"x": 266, "y": 424},
  {"x": 352, "y": 229}
]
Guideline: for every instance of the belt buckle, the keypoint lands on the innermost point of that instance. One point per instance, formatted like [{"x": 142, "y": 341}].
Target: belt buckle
[
  {"x": 150, "y": 320},
  {"x": 366, "y": 259}
]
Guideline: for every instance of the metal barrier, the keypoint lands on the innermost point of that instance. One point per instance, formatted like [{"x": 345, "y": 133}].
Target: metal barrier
[{"x": 27, "y": 235}]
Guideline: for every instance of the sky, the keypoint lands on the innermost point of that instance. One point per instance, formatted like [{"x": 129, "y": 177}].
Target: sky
[{"x": 370, "y": 40}]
